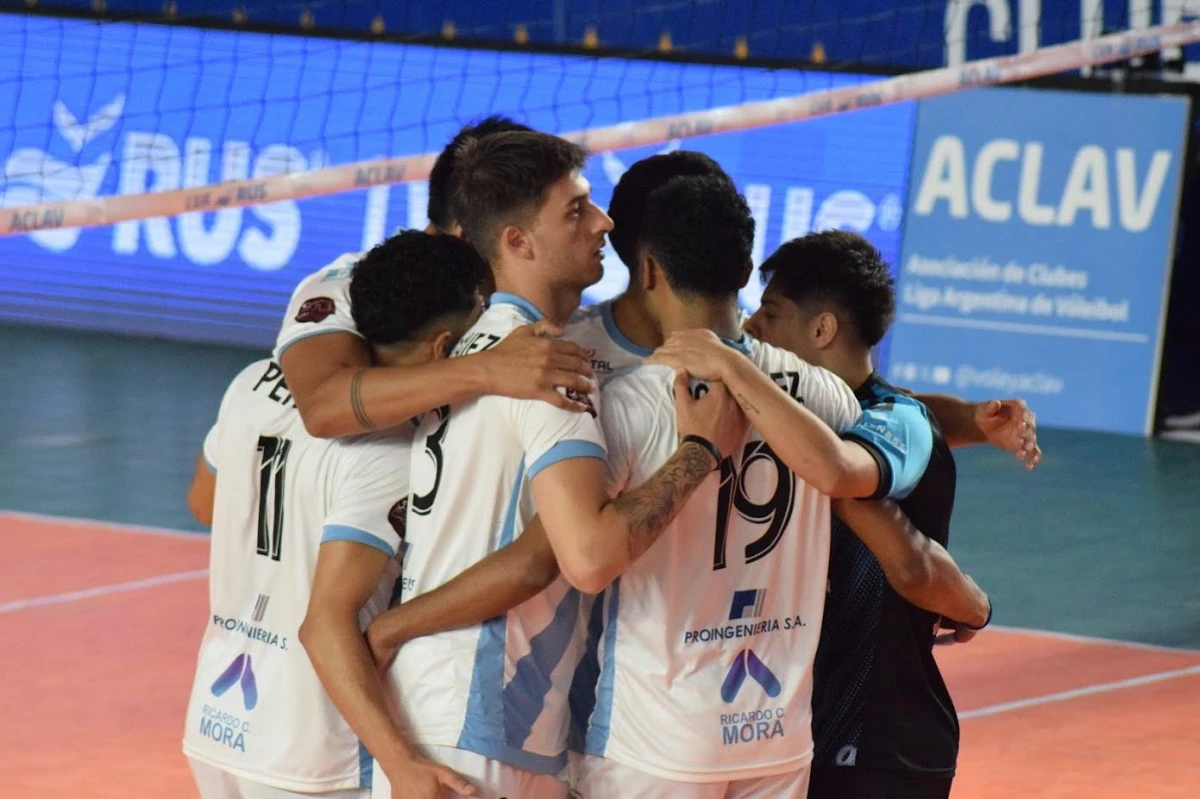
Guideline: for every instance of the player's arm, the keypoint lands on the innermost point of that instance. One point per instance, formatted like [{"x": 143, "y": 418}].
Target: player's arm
[
  {"x": 202, "y": 491},
  {"x": 810, "y": 448},
  {"x": 917, "y": 567},
  {"x": 1005, "y": 424},
  {"x": 347, "y": 573},
  {"x": 595, "y": 538},
  {"x": 338, "y": 392},
  {"x": 490, "y": 588}
]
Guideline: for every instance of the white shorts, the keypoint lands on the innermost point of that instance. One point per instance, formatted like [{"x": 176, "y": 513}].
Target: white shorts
[
  {"x": 600, "y": 778},
  {"x": 214, "y": 783},
  {"x": 491, "y": 778}
]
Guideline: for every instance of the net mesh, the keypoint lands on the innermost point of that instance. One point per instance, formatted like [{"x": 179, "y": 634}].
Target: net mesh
[{"x": 159, "y": 150}]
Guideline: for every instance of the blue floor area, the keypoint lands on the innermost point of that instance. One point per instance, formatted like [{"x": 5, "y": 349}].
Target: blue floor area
[{"x": 1102, "y": 539}]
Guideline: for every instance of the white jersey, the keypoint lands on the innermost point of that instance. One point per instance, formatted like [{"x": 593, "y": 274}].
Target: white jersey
[
  {"x": 594, "y": 329},
  {"x": 704, "y": 647},
  {"x": 257, "y": 708},
  {"x": 320, "y": 304},
  {"x": 498, "y": 689}
]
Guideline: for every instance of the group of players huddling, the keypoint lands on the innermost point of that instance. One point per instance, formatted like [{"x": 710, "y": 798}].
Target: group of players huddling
[{"x": 468, "y": 538}]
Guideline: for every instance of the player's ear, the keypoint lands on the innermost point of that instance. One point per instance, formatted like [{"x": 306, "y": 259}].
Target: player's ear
[
  {"x": 516, "y": 242},
  {"x": 824, "y": 327},
  {"x": 749, "y": 270},
  {"x": 649, "y": 271},
  {"x": 442, "y": 344}
]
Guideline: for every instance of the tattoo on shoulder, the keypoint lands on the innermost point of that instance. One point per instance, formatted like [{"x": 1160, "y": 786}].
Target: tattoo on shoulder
[
  {"x": 651, "y": 507},
  {"x": 356, "y": 401}
]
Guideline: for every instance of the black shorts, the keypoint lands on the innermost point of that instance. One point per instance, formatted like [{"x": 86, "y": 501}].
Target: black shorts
[{"x": 855, "y": 783}]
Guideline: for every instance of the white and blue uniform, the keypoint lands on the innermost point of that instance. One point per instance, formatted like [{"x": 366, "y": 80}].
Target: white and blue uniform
[
  {"x": 320, "y": 304},
  {"x": 499, "y": 690},
  {"x": 698, "y": 667},
  {"x": 258, "y": 714}
]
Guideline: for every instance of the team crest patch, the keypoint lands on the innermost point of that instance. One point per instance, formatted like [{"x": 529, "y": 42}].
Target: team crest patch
[
  {"x": 397, "y": 516},
  {"x": 582, "y": 399},
  {"x": 317, "y": 309}
]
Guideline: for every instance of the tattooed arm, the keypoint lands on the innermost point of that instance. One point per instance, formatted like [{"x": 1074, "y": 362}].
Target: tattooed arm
[
  {"x": 339, "y": 392},
  {"x": 595, "y": 538}
]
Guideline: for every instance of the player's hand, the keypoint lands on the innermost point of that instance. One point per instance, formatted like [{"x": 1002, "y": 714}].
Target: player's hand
[
  {"x": 1011, "y": 426},
  {"x": 958, "y": 634},
  {"x": 698, "y": 352},
  {"x": 530, "y": 363},
  {"x": 715, "y": 416},
  {"x": 383, "y": 651},
  {"x": 420, "y": 778}
]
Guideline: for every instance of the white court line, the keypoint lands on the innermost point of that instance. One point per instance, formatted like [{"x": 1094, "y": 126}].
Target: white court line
[
  {"x": 101, "y": 590},
  {"x": 1091, "y": 639},
  {"x": 1075, "y": 693},
  {"x": 1021, "y": 327},
  {"x": 108, "y": 526}
]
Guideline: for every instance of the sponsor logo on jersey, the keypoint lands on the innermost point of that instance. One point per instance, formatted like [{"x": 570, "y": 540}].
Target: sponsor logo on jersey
[
  {"x": 239, "y": 671},
  {"x": 252, "y": 630},
  {"x": 747, "y": 664},
  {"x": 260, "y": 607},
  {"x": 315, "y": 310},
  {"x": 747, "y": 604}
]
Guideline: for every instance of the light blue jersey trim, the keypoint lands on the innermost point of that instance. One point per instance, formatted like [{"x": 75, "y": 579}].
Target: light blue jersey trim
[
  {"x": 565, "y": 450},
  {"x": 525, "y": 694},
  {"x": 208, "y": 464},
  {"x": 365, "y": 762},
  {"x": 597, "y": 734},
  {"x": 742, "y": 345},
  {"x": 484, "y": 731},
  {"x": 610, "y": 327},
  {"x": 527, "y": 308},
  {"x": 341, "y": 532},
  {"x": 322, "y": 332}
]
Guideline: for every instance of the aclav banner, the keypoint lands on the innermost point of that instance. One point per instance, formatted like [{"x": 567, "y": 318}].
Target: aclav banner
[{"x": 1037, "y": 251}]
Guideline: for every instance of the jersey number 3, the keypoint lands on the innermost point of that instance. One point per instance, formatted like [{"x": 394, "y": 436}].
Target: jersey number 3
[
  {"x": 271, "y": 476},
  {"x": 774, "y": 512}
]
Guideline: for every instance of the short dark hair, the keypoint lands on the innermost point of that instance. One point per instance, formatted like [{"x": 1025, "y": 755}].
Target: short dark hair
[
  {"x": 628, "y": 204},
  {"x": 700, "y": 231},
  {"x": 838, "y": 268},
  {"x": 409, "y": 281},
  {"x": 503, "y": 177},
  {"x": 440, "y": 177}
]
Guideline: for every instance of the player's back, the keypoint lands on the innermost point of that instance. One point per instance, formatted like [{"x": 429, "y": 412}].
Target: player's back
[
  {"x": 498, "y": 689},
  {"x": 880, "y": 702},
  {"x": 704, "y": 646},
  {"x": 257, "y": 708}
]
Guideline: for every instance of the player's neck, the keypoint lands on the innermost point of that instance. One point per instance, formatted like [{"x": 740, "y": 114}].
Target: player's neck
[
  {"x": 401, "y": 355},
  {"x": 852, "y": 364},
  {"x": 555, "y": 303},
  {"x": 632, "y": 319},
  {"x": 719, "y": 316}
]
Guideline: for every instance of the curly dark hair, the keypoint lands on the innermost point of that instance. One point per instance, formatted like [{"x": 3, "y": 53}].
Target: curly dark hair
[
  {"x": 438, "y": 209},
  {"x": 410, "y": 280},
  {"x": 700, "y": 231},
  {"x": 502, "y": 178},
  {"x": 840, "y": 269},
  {"x": 628, "y": 204}
]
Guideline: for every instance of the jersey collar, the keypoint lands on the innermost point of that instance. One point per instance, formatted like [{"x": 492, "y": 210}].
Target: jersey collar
[
  {"x": 610, "y": 327},
  {"x": 524, "y": 306}
]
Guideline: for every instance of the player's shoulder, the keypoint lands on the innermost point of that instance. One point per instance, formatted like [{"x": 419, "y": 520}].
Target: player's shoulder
[
  {"x": 642, "y": 384},
  {"x": 770, "y": 358},
  {"x": 386, "y": 449},
  {"x": 589, "y": 314},
  {"x": 263, "y": 370},
  {"x": 338, "y": 270},
  {"x": 879, "y": 393}
]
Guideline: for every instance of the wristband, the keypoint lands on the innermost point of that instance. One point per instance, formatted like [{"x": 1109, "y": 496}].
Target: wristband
[
  {"x": 704, "y": 442},
  {"x": 986, "y": 621}
]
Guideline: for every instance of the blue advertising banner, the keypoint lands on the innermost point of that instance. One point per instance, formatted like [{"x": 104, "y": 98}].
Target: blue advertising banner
[
  {"x": 91, "y": 110},
  {"x": 1037, "y": 251}
]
